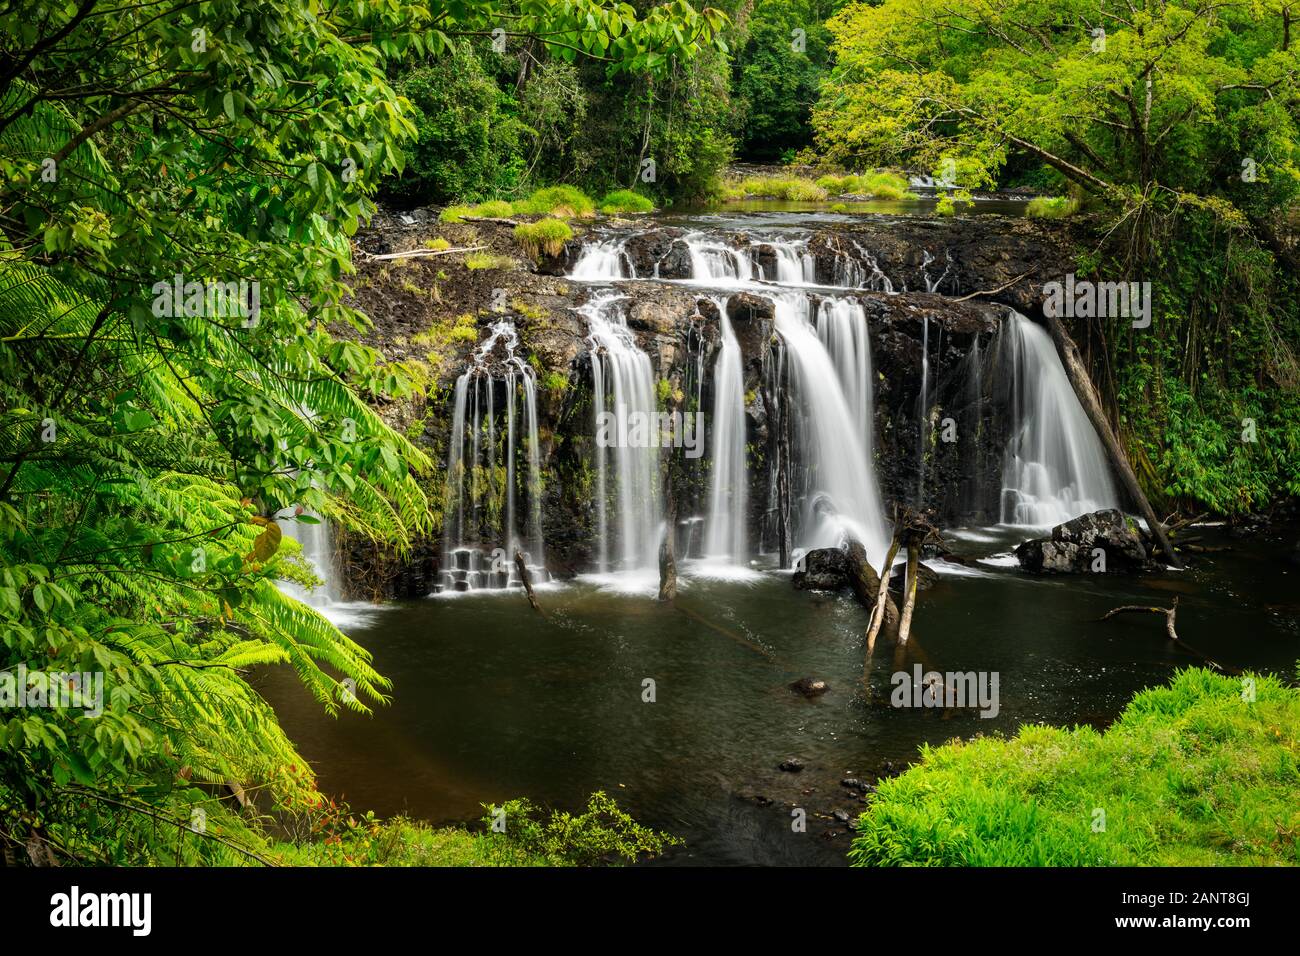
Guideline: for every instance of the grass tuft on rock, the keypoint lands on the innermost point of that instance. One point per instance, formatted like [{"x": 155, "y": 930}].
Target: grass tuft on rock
[{"x": 544, "y": 236}]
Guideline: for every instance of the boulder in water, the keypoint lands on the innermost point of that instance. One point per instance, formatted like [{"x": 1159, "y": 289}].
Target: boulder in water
[
  {"x": 1073, "y": 547},
  {"x": 809, "y": 686},
  {"x": 823, "y": 569}
]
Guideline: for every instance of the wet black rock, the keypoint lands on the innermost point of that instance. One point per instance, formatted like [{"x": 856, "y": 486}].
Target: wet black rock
[
  {"x": 791, "y": 765},
  {"x": 823, "y": 569},
  {"x": 841, "y": 816},
  {"x": 1072, "y": 547},
  {"x": 853, "y": 783},
  {"x": 809, "y": 686}
]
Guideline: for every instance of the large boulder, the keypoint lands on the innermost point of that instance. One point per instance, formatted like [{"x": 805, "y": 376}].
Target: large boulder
[
  {"x": 823, "y": 569},
  {"x": 1101, "y": 542}
]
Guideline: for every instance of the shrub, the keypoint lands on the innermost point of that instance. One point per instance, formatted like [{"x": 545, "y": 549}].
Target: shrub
[
  {"x": 468, "y": 142},
  {"x": 546, "y": 235}
]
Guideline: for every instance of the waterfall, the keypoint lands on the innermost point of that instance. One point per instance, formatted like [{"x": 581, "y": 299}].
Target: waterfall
[
  {"x": 623, "y": 384},
  {"x": 794, "y": 264},
  {"x": 318, "y": 550},
  {"x": 716, "y": 262},
  {"x": 727, "y": 525},
  {"x": 842, "y": 329},
  {"x": 837, "y": 477},
  {"x": 479, "y": 547},
  {"x": 1055, "y": 467},
  {"x": 603, "y": 260},
  {"x": 922, "y": 412}
]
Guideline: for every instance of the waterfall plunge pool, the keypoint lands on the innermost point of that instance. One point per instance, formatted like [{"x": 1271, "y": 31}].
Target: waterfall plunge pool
[{"x": 490, "y": 701}]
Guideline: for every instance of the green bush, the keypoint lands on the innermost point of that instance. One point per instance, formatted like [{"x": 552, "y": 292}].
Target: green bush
[
  {"x": 1191, "y": 774},
  {"x": 602, "y": 834}
]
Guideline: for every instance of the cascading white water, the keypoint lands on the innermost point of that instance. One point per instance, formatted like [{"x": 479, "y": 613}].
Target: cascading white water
[
  {"x": 794, "y": 264},
  {"x": 726, "y": 534},
  {"x": 842, "y": 328},
  {"x": 838, "y": 478},
  {"x": 603, "y": 260},
  {"x": 1055, "y": 467},
  {"x": 479, "y": 546},
  {"x": 716, "y": 262},
  {"x": 318, "y": 550},
  {"x": 623, "y": 384}
]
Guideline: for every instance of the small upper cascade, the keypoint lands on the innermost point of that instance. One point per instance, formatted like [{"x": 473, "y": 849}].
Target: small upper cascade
[
  {"x": 726, "y": 537},
  {"x": 717, "y": 262},
  {"x": 494, "y": 505},
  {"x": 605, "y": 259},
  {"x": 623, "y": 388},
  {"x": 795, "y": 265},
  {"x": 1055, "y": 467}
]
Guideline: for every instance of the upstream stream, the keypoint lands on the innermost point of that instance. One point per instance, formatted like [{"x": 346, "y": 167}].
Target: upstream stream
[{"x": 492, "y": 700}]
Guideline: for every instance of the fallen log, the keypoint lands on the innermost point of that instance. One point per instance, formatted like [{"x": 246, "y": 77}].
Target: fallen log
[
  {"x": 422, "y": 253},
  {"x": 667, "y": 567},
  {"x": 1170, "y": 615},
  {"x": 909, "y": 599},
  {"x": 1088, "y": 398},
  {"x": 522, "y": 567}
]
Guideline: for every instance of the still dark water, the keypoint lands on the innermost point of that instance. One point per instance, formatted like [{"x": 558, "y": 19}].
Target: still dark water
[{"x": 490, "y": 701}]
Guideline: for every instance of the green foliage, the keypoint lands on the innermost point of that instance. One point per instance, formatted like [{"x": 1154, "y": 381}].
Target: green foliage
[
  {"x": 788, "y": 188},
  {"x": 877, "y": 185},
  {"x": 775, "y": 78},
  {"x": 1054, "y": 207},
  {"x": 467, "y": 139},
  {"x": 602, "y": 834},
  {"x": 544, "y": 236},
  {"x": 1191, "y": 774},
  {"x": 622, "y": 201},
  {"x": 147, "y": 440}
]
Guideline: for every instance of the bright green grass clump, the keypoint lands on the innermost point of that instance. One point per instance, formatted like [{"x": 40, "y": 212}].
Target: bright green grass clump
[
  {"x": 880, "y": 185},
  {"x": 625, "y": 201},
  {"x": 563, "y": 201},
  {"x": 455, "y": 213},
  {"x": 546, "y": 235},
  {"x": 774, "y": 187},
  {"x": 1191, "y": 774},
  {"x": 1054, "y": 207}
]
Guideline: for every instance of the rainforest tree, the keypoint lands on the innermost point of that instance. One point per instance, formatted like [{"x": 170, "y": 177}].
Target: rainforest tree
[{"x": 1180, "y": 122}]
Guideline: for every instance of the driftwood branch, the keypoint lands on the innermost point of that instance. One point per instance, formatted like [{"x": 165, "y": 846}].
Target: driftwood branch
[
  {"x": 1171, "y": 616},
  {"x": 1001, "y": 288},
  {"x": 423, "y": 253},
  {"x": 522, "y": 567}
]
